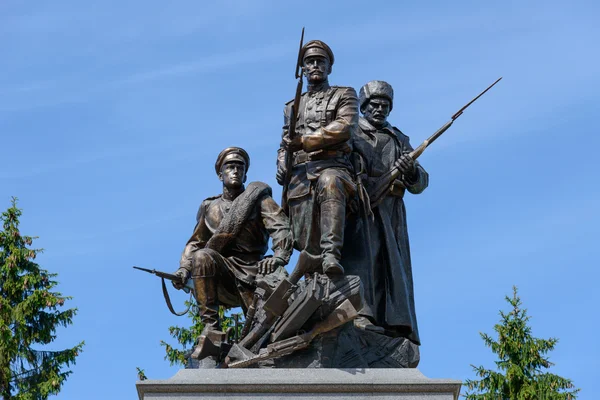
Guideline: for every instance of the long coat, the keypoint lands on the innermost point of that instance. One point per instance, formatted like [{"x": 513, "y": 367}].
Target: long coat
[{"x": 392, "y": 304}]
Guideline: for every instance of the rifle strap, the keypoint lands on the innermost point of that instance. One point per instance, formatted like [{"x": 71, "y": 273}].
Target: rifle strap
[{"x": 168, "y": 300}]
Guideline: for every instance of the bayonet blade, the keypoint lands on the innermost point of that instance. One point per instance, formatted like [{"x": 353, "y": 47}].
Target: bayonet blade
[{"x": 458, "y": 114}]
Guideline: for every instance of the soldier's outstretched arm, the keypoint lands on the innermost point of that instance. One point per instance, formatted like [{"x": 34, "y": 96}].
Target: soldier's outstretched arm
[
  {"x": 278, "y": 226},
  {"x": 340, "y": 129}
]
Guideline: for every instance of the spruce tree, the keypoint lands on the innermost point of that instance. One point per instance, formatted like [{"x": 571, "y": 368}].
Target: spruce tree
[
  {"x": 186, "y": 337},
  {"x": 29, "y": 317},
  {"x": 520, "y": 373}
]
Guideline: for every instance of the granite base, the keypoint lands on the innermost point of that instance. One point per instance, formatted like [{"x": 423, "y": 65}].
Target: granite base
[{"x": 299, "y": 383}]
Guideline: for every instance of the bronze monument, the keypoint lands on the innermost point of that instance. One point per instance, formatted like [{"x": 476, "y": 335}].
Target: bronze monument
[{"x": 349, "y": 301}]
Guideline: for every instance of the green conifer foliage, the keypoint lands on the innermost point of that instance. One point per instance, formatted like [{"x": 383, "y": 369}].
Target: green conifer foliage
[
  {"x": 29, "y": 317},
  {"x": 186, "y": 337},
  {"x": 520, "y": 372}
]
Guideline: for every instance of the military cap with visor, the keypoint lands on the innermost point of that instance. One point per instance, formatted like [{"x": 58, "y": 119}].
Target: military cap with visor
[
  {"x": 231, "y": 154},
  {"x": 317, "y": 48}
]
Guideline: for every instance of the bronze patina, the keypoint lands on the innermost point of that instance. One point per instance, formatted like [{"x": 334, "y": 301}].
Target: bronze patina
[
  {"x": 349, "y": 301},
  {"x": 320, "y": 186},
  {"x": 227, "y": 248}
]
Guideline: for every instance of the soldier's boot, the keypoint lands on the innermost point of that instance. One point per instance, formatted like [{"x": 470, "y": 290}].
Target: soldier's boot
[
  {"x": 333, "y": 221},
  {"x": 209, "y": 341}
]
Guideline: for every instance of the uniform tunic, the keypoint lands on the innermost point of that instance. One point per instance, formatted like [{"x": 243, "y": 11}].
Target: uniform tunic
[
  {"x": 327, "y": 120},
  {"x": 236, "y": 265}
]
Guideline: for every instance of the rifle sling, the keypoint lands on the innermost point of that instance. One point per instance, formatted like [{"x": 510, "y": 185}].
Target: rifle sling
[{"x": 168, "y": 300}]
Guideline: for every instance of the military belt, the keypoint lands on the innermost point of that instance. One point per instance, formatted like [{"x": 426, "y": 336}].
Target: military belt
[{"x": 302, "y": 157}]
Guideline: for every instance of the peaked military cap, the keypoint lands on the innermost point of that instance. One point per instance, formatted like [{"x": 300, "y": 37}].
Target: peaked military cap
[
  {"x": 317, "y": 47},
  {"x": 376, "y": 89},
  {"x": 232, "y": 154}
]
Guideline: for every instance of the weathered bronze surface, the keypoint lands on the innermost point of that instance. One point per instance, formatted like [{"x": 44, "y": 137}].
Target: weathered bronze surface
[
  {"x": 226, "y": 250},
  {"x": 379, "y": 189},
  {"x": 321, "y": 186},
  {"x": 383, "y": 147},
  {"x": 349, "y": 302}
]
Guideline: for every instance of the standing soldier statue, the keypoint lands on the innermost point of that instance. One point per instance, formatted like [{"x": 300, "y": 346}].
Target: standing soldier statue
[
  {"x": 313, "y": 160},
  {"x": 383, "y": 147},
  {"x": 227, "y": 249}
]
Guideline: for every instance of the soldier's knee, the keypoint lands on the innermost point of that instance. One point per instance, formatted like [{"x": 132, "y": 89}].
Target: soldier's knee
[
  {"x": 328, "y": 181},
  {"x": 203, "y": 264},
  {"x": 330, "y": 187}
]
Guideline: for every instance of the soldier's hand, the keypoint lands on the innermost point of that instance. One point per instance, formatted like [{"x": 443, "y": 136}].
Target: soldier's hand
[
  {"x": 280, "y": 175},
  {"x": 406, "y": 165},
  {"x": 294, "y": 144},
  {"x": 184, "y": 274},
  {"x": 399, "y": 184},
  {"x": 269, "y": 265}
]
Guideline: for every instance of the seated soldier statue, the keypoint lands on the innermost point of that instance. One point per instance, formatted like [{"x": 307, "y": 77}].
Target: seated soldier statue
[{"x": 227, "y": 249}]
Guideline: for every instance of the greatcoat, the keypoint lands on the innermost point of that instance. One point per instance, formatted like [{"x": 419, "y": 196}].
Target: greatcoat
[{"x": 392, "y": 304}]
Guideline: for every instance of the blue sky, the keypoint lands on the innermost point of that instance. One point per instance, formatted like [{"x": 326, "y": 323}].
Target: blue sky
[{"x": 112, "y": 113}]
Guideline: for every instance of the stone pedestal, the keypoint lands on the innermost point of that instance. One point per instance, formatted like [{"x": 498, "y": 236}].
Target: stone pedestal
[{"x": 299, "y": 383}]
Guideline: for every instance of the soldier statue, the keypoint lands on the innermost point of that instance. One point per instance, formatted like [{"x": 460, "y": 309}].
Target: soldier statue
[
  {"x": 344, "y": 179},
  {"x": 320, "y": 184},
  {"x": 383, "y": 147},
  {"x": 227, "y": 248}
]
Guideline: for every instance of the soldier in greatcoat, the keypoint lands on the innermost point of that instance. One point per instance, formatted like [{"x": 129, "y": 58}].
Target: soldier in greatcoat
[{"x": 381, "y": 147}]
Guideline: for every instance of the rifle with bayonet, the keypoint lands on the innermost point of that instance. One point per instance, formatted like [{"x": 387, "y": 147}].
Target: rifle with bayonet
[
  {"x": 274, "y": 303},
  {"x": 188, "y": 286},
  {"x": 289, "y": 155},
  {"x": 384, "y": 183}
]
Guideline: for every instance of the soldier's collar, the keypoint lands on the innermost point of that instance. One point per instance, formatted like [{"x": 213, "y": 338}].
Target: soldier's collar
[
  {"x": 231, "y": 195},
  {"x": 321, "y": 87},
  {"x": 367, "y": 126},
  {"x": 389, "y": 129}
]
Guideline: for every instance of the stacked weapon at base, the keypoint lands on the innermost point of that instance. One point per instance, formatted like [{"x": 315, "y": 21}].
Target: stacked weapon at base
[
  {"x": 289, "y": 155},
  {"x": 274, "y": 303},
  {"x": 345, "y": 312},
  {"x": 382, "y": 186}
]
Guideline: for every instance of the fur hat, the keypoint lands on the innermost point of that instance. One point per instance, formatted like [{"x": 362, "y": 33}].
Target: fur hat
[{"x": 375, "y": 89}]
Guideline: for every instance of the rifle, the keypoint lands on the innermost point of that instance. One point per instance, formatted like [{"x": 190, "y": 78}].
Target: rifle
[
  {"x": 274, "y": 302},
  {"x": 292, "y": 127},
  {"x": 383, "y": 184},
  {"x": 343, "y": 313},
  {"x": 189, "y": 286}
]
